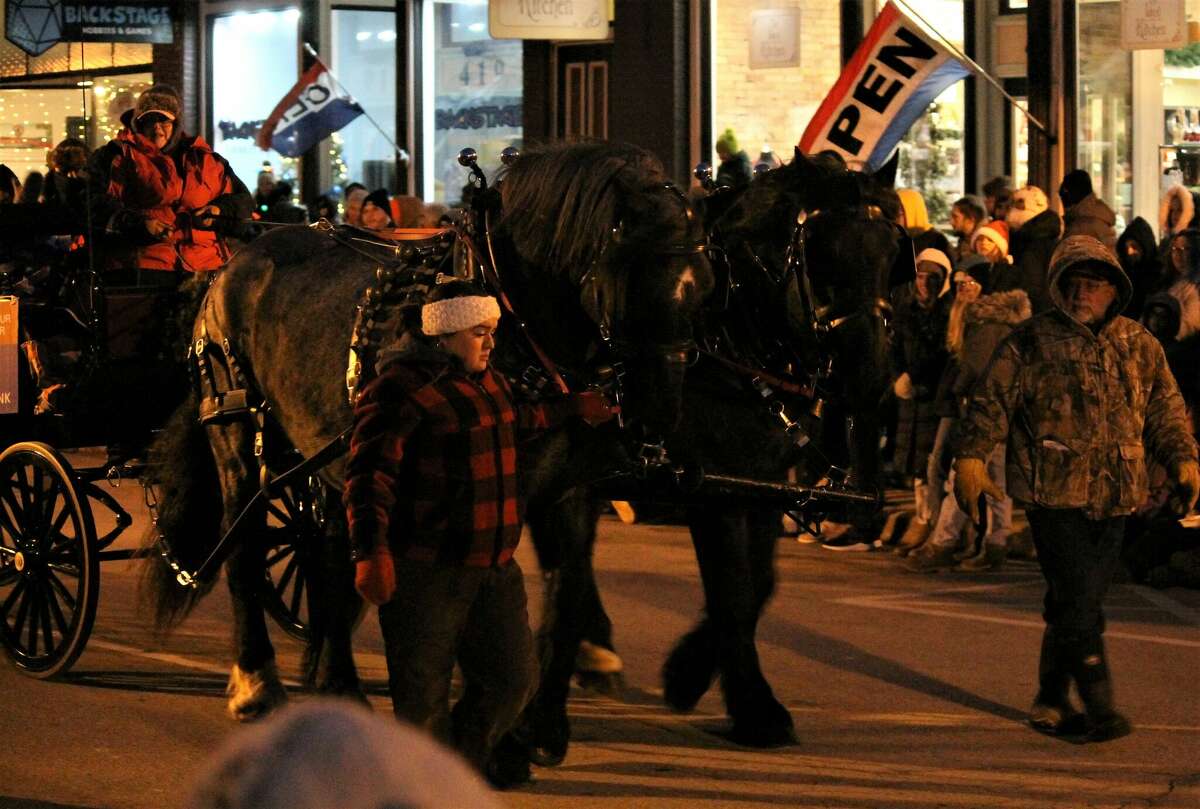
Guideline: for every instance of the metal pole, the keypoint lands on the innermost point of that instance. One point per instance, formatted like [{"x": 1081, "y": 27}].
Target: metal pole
[
  {"x": 400, "y": 153},
  {"x": 975, "y": 66}
]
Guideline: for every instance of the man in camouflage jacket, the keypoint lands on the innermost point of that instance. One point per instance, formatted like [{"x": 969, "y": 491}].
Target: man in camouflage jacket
[{"x": 1079, "y": 393}]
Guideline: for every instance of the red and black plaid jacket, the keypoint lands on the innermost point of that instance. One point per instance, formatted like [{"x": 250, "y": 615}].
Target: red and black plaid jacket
[{"x": 433, "y": 463}]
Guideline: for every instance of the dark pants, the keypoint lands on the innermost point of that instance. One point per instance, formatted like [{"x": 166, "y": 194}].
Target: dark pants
[
  {"x": 477, "y": 617},
  {"x": 1078, "y": 557}
]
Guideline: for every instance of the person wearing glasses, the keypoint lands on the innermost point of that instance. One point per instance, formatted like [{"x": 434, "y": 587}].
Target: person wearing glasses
[
  {"x": 1183, "y": 280},
  {"x": 175, "y": 198}
]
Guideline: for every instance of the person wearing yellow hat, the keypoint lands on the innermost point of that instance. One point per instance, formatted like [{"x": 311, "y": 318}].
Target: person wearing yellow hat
[{"x": 734, "y": 171}]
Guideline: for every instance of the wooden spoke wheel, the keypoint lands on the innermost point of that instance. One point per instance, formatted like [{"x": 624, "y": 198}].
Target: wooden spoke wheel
[
  {"x": 49, "y": 561},
  {"x": 294, "y": 521}
]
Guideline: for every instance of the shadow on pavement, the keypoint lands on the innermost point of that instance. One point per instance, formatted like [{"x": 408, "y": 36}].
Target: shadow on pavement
[
  {"x": 156, "y": 682},
  {"x": 28, "y": 803},
  {"x": 833, "y": 652}
]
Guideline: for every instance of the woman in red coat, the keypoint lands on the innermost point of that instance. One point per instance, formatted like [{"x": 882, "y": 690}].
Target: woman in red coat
[{"x": 175, "y": 196}]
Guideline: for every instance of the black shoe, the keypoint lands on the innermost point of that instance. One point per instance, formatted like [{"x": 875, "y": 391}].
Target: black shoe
[
  {"x": 1056, "y": 720},
  {"x": 1112, "y": 726}
]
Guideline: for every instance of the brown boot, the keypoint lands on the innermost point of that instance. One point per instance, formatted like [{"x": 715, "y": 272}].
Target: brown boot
[
  {"x": 914, "y": 536},
  {"x": 930, "y": 558}
]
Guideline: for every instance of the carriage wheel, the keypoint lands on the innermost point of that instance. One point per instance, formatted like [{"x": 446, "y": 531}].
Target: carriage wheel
[
  {"x": 49, "y": 561},
  {"x": 294, "y": 527}
]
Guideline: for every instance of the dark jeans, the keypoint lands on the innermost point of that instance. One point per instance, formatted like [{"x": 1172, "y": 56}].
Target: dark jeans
[
  {"x": 1078, "y": 557},
  {"x": 477, "y": 617}
]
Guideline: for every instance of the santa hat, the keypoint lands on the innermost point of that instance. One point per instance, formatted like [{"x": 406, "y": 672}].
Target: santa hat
[
  {"x": 995, "y": 230},
  {"x": 1027, "y": 202}
]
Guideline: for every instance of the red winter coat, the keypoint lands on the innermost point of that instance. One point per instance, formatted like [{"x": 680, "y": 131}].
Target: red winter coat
[{"x": 147, "y": 181}]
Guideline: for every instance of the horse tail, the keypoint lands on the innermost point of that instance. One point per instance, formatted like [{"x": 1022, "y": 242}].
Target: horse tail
[{"x": 184, "y": 476}]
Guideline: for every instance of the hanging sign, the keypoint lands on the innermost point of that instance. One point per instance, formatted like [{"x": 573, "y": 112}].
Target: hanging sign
[
  {"x": 35, "y": 26},
  {"x": 774, "y": 38},
  {"x": 1153, "y": 24},
  {"x": 548, "y": 19},
  {"x": 9, "y": 363}
]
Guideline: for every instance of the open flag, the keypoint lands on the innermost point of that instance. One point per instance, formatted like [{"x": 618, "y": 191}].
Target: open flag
[
  {"x": 895, "y": 73},
  {"x": 313, "y": 109}
]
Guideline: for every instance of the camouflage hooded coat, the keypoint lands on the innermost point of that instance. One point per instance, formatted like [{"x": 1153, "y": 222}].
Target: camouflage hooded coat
[{"x": 1079, "y": 409}]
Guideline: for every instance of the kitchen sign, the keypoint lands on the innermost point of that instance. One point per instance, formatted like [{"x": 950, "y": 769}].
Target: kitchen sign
[
  {"x": 1153, "y": 24},
  {"x": 548, "y": 19}
]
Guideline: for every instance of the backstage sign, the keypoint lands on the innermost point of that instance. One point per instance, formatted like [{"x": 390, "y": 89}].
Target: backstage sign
[
  {"x": 117, "y": 21},
  {"x": 35, "y": 26}
]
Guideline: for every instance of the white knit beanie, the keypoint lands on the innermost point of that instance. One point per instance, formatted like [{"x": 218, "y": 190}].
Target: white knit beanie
[{"x": 455, "y": 314}]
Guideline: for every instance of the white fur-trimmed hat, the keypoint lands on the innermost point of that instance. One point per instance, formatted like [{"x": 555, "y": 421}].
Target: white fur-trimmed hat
[
  {"x": 455, "y": 314},
  {"x": 1027, "y": 202}
]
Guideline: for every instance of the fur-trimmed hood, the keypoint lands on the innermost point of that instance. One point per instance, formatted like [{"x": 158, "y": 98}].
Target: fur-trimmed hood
[
  {"x": 1186, "y": 206},
  {"x": 1009, "y": 308}
]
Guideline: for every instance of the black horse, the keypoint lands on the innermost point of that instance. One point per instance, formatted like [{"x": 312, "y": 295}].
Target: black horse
[
  {"x": 798, "y": 326},
  {"x": 598, "y": 253}
]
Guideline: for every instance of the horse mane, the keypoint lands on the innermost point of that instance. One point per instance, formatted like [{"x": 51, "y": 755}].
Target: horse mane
[{"x": 561, "y": 202}]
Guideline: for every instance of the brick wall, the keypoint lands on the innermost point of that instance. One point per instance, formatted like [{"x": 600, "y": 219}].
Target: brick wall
[
  {"x": 178, "y": 63},
  {"x": 772, "y": 105}
]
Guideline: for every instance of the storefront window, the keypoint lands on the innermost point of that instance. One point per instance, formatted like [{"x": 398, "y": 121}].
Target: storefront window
[
  {"x": 35, "y": 118},
  {"x": 1105, "y": 106},
  {"x": 763, "y": 56},
  {"x": 255, "y": 61},
  {"x": 70, "y": 56},
  {"x": 364, "y": 60},
  {"x": 1181, "y": 109},
  {"x": 931, "y": 154},
  {"x": 474, "y": 99}
]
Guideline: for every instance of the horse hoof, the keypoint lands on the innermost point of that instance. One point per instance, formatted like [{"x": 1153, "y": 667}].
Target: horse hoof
[
  {"x": 254, "y": 694},
  {"x": 687, "y": 675},
  {"x": 770, "y": 726},
  {"x": 608, "y": 684},
  {"x": 761, "y": 737},
  {"x": 551, "y": 737},
  {"x": 596, "y": 659}
]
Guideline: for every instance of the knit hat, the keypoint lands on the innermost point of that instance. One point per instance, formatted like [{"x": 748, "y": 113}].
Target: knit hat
[
  {"x": 935, "y": 256},
  {"x": 996, "y": 231},
  {"x": 1027, "y": 202},
  {"x": 455, "y": 314},
  {"x": 727, "y": 143},
  {"x": 379, "y": 197},
  {"x": 1075, "y": 186},
  {"x": 161, "y": 98},
  {"x": 977, "y": 269}
]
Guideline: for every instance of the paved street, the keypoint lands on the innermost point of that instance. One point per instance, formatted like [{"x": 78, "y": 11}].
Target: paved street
[{"x": 907, "y": 691}]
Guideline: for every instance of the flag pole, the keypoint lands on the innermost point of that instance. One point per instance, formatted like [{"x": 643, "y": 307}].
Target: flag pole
[
  {"x": 977, "y": 68},
  {"x": 401, "y": 154}
]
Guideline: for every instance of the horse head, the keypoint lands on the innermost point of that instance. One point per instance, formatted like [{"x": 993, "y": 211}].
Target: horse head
[
  {"x": 826, "y": 240},
  {"x": 610, "y": 261}
]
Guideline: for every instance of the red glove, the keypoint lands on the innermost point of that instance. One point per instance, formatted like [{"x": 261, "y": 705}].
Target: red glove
[
  {"x": 593, "y": 407},
  {"x": 375, "y": 576}
]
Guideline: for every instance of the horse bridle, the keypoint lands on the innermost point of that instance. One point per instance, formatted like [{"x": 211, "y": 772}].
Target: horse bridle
[
  {"x": 796, "y": 264},
  {"x": 602, "y": 291}
]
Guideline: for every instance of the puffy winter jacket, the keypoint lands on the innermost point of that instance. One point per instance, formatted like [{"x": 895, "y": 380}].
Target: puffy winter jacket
[
  {"x": 151, "y": 184},
  {"x": 1078, "y": 408}
]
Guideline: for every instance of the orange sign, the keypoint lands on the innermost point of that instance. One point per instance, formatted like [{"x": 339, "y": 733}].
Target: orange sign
[{"x": 9, "y": 364}]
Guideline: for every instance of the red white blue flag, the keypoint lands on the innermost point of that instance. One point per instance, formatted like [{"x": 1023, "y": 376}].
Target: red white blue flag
[
  {"x": 312, "y": 110},
  {"x": 895, "y": 73}
]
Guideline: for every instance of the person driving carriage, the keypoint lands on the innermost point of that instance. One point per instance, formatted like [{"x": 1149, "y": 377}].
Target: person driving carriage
[{"x": 176, "y": 199}]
